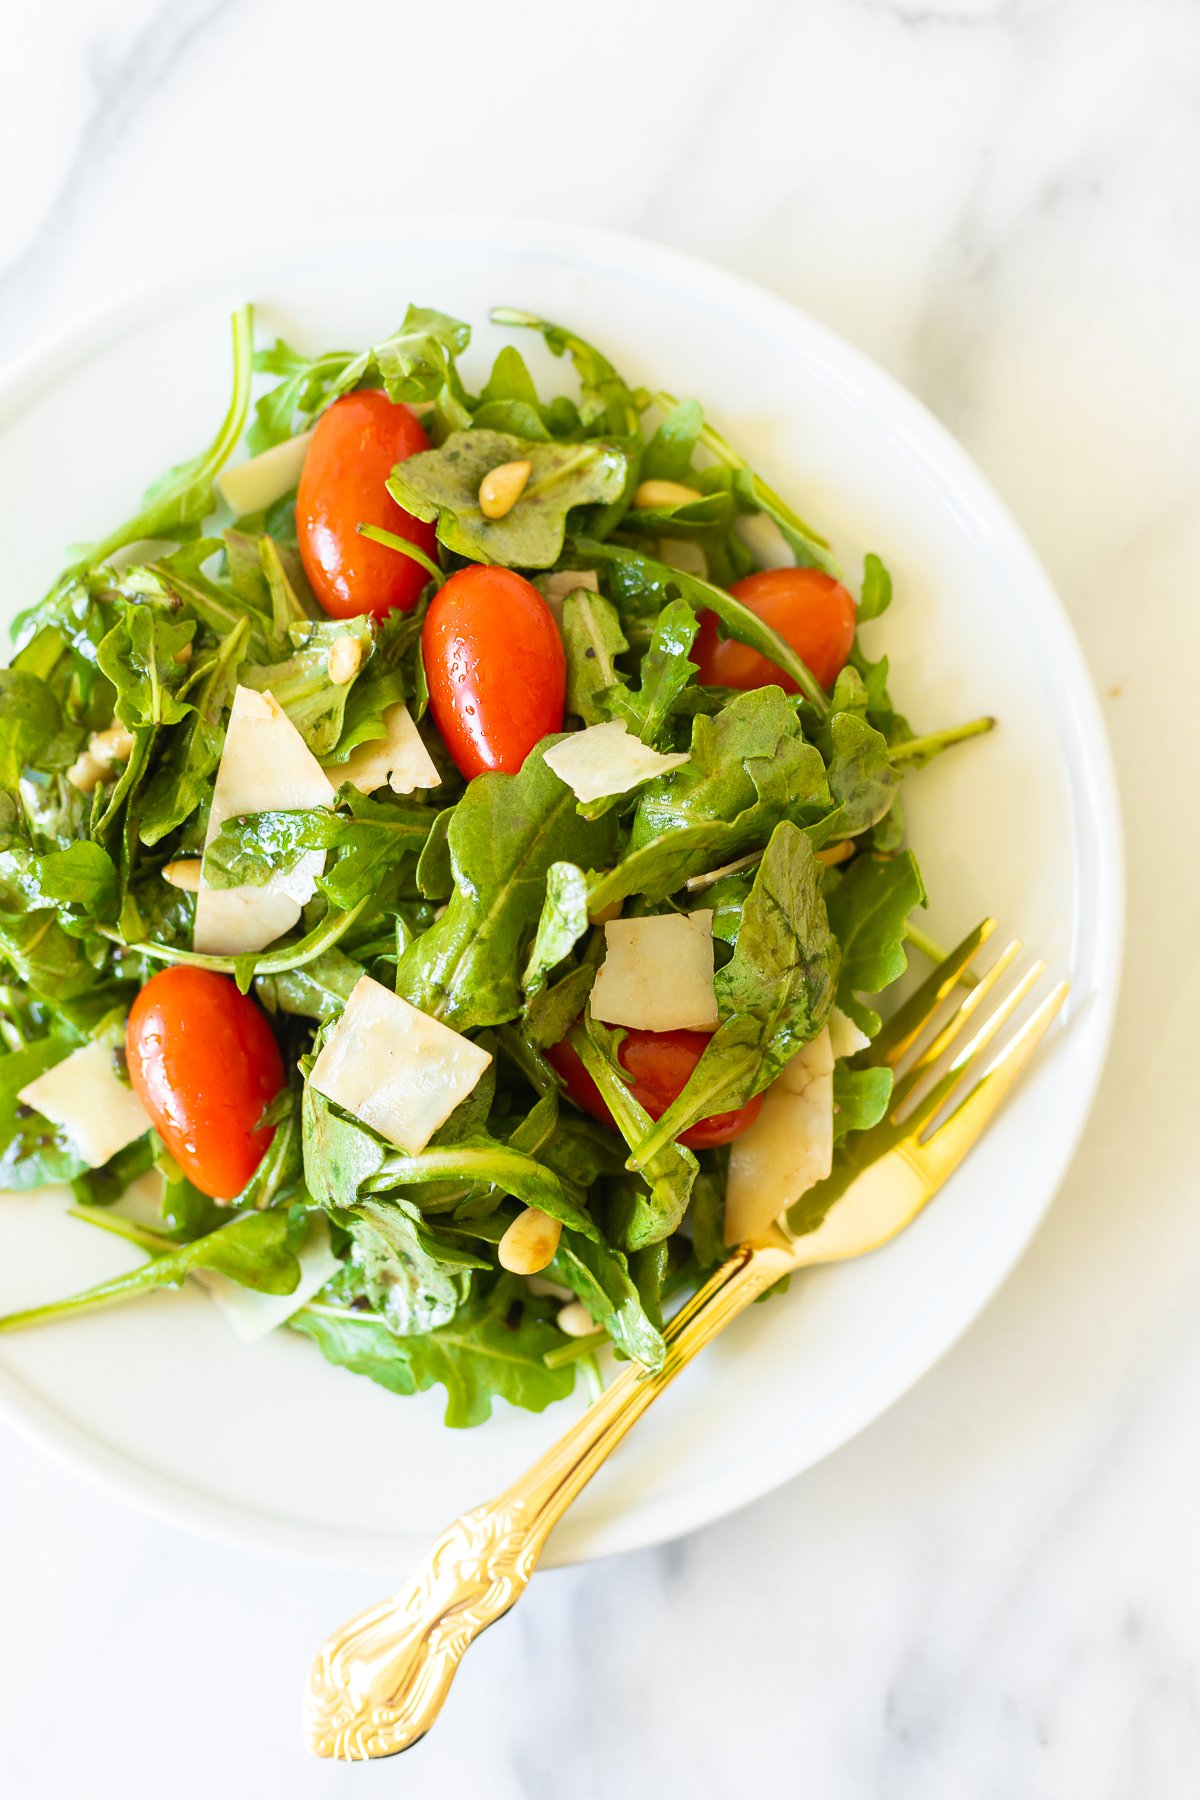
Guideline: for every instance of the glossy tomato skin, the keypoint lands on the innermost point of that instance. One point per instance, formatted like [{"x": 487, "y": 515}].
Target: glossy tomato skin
[
  {"x": 810, "y": 611},
  {"x": 660, "y": 1063},
  {"x": 496, "y": 668},
  {"x": 356, "y": 444},
  {"x": 204, "y": 1063}
]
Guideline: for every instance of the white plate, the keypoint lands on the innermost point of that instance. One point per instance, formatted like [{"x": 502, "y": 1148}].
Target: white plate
[{"x": 272, "y": 1448}]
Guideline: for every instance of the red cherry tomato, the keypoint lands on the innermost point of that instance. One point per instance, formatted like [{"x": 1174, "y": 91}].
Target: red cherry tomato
[
  {"x": 356, "y": 445},
  {"x": 204, "y": 1064},
  {"x": 660, "y": 1063},
  {"x": 810, "y": 610},
  {"x": 496, "y": 668}
]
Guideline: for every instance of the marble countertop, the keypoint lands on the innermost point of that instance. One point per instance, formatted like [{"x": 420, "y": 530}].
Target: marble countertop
[{"x": 991, "y": 1593}]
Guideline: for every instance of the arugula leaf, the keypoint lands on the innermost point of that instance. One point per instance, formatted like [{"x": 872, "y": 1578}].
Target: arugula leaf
[
  {"x": 82, "y": 875},
  {"x": 773, "y": 996},
  {"x": 493, "y": 1347},
  {"x": 608, "y": 404},
  {"x": 593, "y": 640},
  {"x": 670, "y": 451},
  {"x": 867, "y": 910},
  {"x": 33, "y": 1152},
  {"x": 506, "y": 832},
  {"x": 180, "y": 782},
  {"x": 318, "y": 991},
  {"x": 876, "y": 594},
  {"x": 750, "y": 767},
  {"x": 665, "y": 673},
  {"x": 638, "y": 575},
  {"x": 255, "y": 1249},
  {"x": 340, "y": 1154},
  {"x": 29, "y": 718},
  {"x": 300, "y": 682},
  {"x": 373, "y": 838},
  {"x": 599, "y": 1276},
  {"x": 668, "y": 1174},
  {"x": 416, "y": 363},
  {"x": 483, "y": 1158},
  {"x": 861, "y": 777},
  {"x": 139, "y": 656},
  {"x": 413, "y": 1278},
  {"x": 562, "y": 923},
  {"x": 443, "y": 485},
  {"x": 550, "y": 1013},
  {"x": 860, "y": 1098}
]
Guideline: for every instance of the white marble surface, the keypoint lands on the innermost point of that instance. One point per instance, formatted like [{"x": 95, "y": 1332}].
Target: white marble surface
[{"x": 993, "y": 1593}]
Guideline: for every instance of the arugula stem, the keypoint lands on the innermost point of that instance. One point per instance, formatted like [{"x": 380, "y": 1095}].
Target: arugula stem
[
  {"x": 129, "y": 1229},
  {"x": 564, "y": 1354},
  {"x": 937, "y": 741},
  {"x": 378, "y": 535},
  {"x": 920, "y": 940},
  {"x": 275, "y": 962},
  {"x": 776, "y": 508},
  {"x": 156, "y": 520}
]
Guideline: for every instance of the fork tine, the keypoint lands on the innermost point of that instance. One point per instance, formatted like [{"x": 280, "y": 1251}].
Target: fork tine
[
  {"x": 941, "y": 1153},
  {"x": 964, "y": 1013},
  {"x": 908, "y": 1021}
]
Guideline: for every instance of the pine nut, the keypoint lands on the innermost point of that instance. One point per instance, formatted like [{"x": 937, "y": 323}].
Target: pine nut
[
  {"x": 501, "y": 488},
  {"x": 184, "y": 654},
  {"x": 529, "y": 1244},
  {"x": 85, "y": 773},
  {"x": 649, "y": 495},
  {"x": 606, "y": 914},
  {"x": 576, "y": 1321},
  {"x": 184, "y": 873},
  {"x": 836, "y": 853},
  {"x": 113, "y": 745},
  {"x": 345, "y": 658}
]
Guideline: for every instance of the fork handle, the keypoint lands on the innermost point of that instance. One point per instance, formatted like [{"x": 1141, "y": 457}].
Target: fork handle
[{"x": 378, "y": 1684}]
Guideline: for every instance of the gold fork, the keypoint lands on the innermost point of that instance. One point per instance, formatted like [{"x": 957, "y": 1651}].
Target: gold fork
[{"x": 379, "y": 1683}]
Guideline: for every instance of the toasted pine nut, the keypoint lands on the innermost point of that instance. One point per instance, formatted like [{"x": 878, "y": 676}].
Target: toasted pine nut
[
  {"x": 575, "y": 1320},
  {"x": 85, "y": 773},
  {"x": 651, "y": 494},
  {"x": 184, "y": 873},
  {"x": 606, "y": 913},
  {"x": 836, "y": 853},
  {"x": 501, "y": 488},
  {"x": 183, "y": 654},
  {"x": 113, "y": 745},
  {"x": 345, "y": 658},
  {"x": 529, "y": 1244}
]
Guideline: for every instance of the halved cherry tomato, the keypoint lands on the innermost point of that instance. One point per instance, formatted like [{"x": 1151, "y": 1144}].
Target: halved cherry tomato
[
  {"x": 204, "y": 1063},
  {"x": 660, "y": 1063},
  {"x": 809, "y": 609},
  {"x": 496, "y": 668},
  {"x": 355, "y": 447}
]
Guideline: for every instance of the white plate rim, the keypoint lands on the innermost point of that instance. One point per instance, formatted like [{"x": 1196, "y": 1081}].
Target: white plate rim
[{"x": 932, "y": 447}]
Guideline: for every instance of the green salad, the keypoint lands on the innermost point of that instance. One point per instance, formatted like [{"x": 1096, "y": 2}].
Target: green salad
[{"x": 450, "y": 852}]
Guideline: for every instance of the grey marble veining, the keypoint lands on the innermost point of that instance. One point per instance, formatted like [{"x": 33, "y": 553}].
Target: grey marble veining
[{"x": 993, "y": 1593}]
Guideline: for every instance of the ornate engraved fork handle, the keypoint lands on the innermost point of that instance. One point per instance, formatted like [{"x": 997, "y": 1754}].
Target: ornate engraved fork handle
[{"x": 379, "y": 1683}]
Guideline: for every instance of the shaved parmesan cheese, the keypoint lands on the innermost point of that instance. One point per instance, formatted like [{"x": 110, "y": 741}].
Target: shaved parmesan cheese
[
  {"x": 844, "y": 1036},
  {"x": 555, "y": 587},
  {"x": 398, "y": 757},
  {"x": 265, "y": 767},
  {"x": 252, "y": 1314},
  {"x": 395, "y": 1068},
  {"x": 251, "y": 487},
  {"x": 657, "y": 974},
  {"x": 84, "y": 1096},
  {"x": 789, "y": 1147},
  {"x": 607, "y": 759}
]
